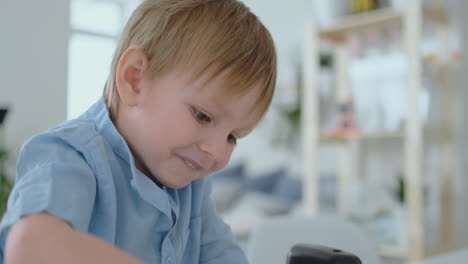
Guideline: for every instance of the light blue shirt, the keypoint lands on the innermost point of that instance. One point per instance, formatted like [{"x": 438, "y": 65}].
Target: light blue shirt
[{"x": 83, "y": 172}]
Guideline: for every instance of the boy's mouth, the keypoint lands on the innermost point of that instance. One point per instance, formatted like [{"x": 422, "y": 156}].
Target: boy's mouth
[{"x": 191, "y": 163}]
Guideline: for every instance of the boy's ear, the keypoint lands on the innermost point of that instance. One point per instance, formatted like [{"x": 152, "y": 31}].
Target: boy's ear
[{"x": 130, "y": 71}]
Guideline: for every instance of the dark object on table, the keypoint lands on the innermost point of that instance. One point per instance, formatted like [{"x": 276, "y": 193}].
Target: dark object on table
[
  {"x": 314, "y": 254},
  {"x": 3, "y": 112}
]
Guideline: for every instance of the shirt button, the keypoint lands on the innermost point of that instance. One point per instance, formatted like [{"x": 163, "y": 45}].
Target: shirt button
[{"x": 169, "y": 260}]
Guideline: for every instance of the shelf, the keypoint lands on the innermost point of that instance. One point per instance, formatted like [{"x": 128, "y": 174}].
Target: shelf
[
  {"x": 367, "y": 136},
  {"x": 358, "y": 22},
  {"x": 436, "y": 13},
  {"x": 440, "y": 133},
  {"x": 385, "y": 17},
  {"x": 435, "y": 60},
  {"x": 411, "y": 135}
]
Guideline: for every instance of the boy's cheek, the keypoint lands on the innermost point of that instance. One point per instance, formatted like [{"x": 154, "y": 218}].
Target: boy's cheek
[{"x": 223, "y": 164}]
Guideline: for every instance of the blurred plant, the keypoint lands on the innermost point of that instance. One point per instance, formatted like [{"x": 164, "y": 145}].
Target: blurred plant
[
  {"x": 399, "y": 190},
  {"x": 287, "y": 130},
  {"x": 5, "y": 185}
]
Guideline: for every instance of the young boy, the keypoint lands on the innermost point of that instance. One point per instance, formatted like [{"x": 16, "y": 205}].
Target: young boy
[{"x": 124, "y": 183}]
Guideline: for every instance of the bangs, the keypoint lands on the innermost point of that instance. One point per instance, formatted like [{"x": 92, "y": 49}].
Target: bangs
[{"x": 240, "y": 49}]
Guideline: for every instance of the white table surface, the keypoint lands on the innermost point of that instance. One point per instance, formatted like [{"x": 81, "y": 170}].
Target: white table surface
[{"x": 456, "y": 257}]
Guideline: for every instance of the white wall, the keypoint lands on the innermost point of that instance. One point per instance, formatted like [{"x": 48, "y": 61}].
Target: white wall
[
  {"x": 461, "y": 129},
  {"x": 33, "y": 67},
  {"x": 461, "y": 152}
]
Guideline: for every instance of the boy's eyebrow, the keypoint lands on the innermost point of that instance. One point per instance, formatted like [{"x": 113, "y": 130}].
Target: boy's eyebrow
[{"x": 240, "y": 132}]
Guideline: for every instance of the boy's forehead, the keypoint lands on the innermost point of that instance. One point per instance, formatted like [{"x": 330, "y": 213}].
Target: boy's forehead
[
  {"x": 227, "y": 85},
  {"x": 223, "y": 92}
]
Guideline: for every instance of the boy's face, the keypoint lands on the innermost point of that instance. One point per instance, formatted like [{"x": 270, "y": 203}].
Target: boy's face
[{"x": 180, "y": 131}]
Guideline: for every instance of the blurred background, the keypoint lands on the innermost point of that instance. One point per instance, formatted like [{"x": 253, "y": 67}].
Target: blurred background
[{"x": 368, "y": 120}]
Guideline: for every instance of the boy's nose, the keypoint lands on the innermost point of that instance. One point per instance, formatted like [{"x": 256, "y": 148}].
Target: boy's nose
[{"x": 217, "y": 148}]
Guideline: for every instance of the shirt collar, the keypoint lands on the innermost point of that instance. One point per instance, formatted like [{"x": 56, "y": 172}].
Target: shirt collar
[{"x": 148, "y": 190}]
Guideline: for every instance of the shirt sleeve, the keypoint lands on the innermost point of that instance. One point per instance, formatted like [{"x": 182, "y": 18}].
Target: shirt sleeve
[
  {"x": 217, "y": 242},
  {"x": 53, "y": 177}
]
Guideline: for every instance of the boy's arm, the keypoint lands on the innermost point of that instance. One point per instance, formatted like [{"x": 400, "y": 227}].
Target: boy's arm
[
  {"x": 43, "y": 238},
  {"x": 52, "y": 204}
]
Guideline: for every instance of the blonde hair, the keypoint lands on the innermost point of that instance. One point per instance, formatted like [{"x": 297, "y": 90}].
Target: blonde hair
[{"x": 201, "y": 35}]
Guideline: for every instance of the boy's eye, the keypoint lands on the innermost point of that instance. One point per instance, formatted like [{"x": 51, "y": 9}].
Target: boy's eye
[
  {"x": 200, "y": 116},
  {"x": 232, "y": 139}
]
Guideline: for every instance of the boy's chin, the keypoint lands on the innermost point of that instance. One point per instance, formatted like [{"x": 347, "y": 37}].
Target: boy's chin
[
  {"x": 178, "y": 185},
  {"x": 175, "y": 183}
]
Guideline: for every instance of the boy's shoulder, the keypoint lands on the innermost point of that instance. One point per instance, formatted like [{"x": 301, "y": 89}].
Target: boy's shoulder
[
  {"x": 75, "y": 132},
  {"x": 70, "y": 142},
  {"x": 75, "y": 128}
]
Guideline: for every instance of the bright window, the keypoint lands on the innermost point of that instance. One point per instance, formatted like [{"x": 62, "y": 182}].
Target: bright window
[
  {"x": 96, "y": 16},
  {"x": 95, "y": 27},
  {"x": 90, "y": 57}
]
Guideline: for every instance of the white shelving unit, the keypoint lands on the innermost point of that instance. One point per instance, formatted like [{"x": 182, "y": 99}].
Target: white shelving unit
[{"x": 410, "y": 20}]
